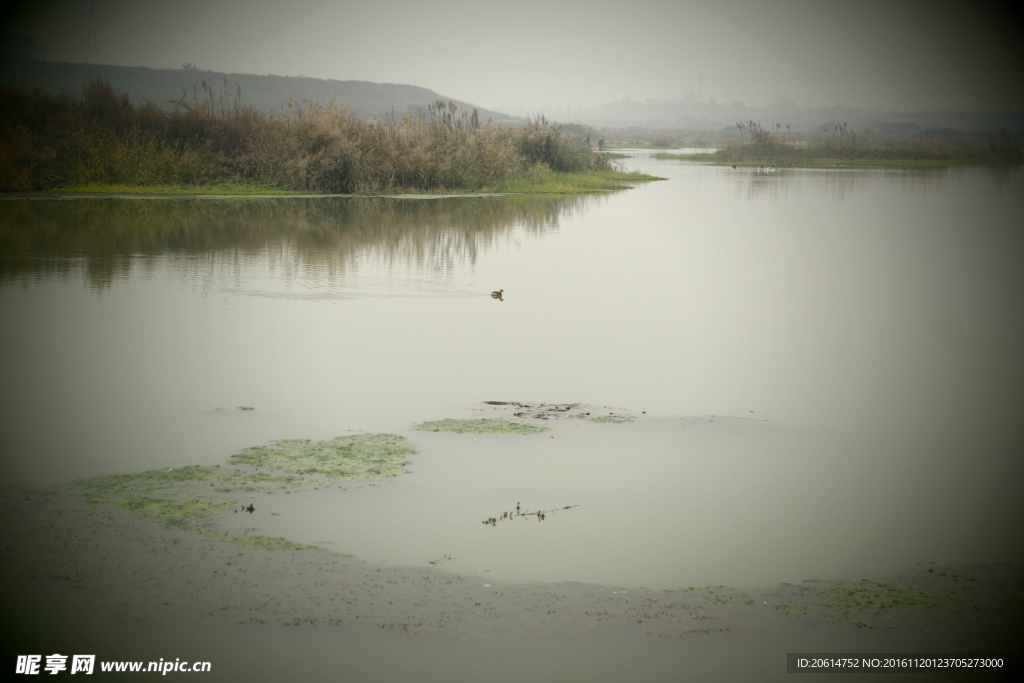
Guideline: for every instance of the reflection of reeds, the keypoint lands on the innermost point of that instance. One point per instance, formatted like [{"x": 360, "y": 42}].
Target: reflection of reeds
[
  {"x": 333, "y": 235},
  {"x": 51, "y": 141}
]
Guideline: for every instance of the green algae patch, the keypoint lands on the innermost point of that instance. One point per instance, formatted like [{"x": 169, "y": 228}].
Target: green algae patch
[
  {"x": 194, "y": 497},
  {"x": 264, "y": 542},
  {"x": 252, "y": 482},
  {"x": 362, "y": 456},
  {"x": 792, "y": 611},
  {"x": 607, "y": 419},
  {"x": 721, "y": 595},
  {"x": 181, "y": 514},
  {"x": 480, "y": 426},
  {"x": 100, "y": 489},
  {"x": 858, "y": 604},
  {"x": 878, "y": 597}
]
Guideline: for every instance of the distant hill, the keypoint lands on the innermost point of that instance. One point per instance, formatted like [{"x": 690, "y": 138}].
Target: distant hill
[
  {"x": 265, "y": 93},
  {"x": 689, "y": 114}
]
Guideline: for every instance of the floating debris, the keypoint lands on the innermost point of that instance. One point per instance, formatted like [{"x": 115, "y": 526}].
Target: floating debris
[
  {"x": 509, "y": 515},
  {"x": 609, "y": 419},
  {"x": 549, "y": 411},
  {"x": 480, "y": 426}
]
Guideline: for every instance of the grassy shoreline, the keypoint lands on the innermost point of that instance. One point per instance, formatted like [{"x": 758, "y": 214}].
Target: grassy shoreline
[
  {"x": 823, "y": 162},
  {"x": 554, "y": 183},
  {"x": 212, "y": 144},
  {"x": 839, "y": 145}
]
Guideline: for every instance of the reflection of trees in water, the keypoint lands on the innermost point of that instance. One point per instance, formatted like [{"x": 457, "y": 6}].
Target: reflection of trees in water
[
  {"x": 835, "y": 183},
  {"x": 105, "y": 238}
]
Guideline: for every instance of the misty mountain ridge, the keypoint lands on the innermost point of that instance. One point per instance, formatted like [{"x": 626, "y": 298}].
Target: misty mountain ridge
[
  {"x": 272, "y": 93},
  {"x": 263, "y": 93},
  {"x": 690, "y": 114}
]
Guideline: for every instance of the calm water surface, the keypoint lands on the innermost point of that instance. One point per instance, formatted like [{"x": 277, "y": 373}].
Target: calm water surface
[{"x": 866, "y": 325}]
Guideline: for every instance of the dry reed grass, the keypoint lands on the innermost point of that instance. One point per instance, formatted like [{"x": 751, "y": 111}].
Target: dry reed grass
[{"x": 51, "y": 141}]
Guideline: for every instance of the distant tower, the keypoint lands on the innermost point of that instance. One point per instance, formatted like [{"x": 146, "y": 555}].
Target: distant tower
[{"x": 92, "y": 55}]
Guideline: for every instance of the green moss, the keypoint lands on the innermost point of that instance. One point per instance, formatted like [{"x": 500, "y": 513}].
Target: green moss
[
  {"x": 480, "y": 426},
  {"x": 362, "y": 456}
]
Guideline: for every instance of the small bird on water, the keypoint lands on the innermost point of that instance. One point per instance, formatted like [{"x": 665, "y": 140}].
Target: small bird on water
[{"x": 497, "y": 294}]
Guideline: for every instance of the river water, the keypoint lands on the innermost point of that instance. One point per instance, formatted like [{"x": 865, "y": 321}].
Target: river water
[{"x": 826, "y": 362}]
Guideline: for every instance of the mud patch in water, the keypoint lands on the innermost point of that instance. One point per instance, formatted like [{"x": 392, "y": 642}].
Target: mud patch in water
[{"x": 481, "y": 426}]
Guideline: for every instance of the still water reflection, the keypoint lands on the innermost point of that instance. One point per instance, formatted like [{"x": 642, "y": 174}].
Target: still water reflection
[{"x": 873, "y": 316}]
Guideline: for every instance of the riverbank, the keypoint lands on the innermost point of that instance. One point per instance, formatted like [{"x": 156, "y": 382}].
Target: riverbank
[
  {"x": 819, "y": 162},
  {"x": 102, "y": 140},
  {"x": 839, "y": 145},
  {"x": 541, "y": 182}
]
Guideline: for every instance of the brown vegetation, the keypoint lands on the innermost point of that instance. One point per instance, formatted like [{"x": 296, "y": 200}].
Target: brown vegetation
[
  {"x": 51, "y": 141},
  {"x": 777, "y": 146}
]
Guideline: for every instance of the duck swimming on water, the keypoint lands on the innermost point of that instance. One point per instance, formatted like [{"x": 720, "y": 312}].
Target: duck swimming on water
[{"x": 497, "y": 294}]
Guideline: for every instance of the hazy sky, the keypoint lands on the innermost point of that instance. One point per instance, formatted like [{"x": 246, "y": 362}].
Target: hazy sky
[{"x": 552, "y": 53}]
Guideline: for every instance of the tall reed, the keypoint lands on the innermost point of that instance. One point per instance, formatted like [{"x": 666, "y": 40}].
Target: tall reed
[{"x": 49, "y": 141}]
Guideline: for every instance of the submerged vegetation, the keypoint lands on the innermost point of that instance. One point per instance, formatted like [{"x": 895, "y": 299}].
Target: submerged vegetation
[{"x": 209, "y": 139}]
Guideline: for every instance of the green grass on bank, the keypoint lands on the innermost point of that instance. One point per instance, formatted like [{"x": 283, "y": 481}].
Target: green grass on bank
[
  {"x": 539, "y": 182},
  {"x": 212, "y": 189},
  {"x": 571, "y": 182},
  {"x": 102, "y": 140}
]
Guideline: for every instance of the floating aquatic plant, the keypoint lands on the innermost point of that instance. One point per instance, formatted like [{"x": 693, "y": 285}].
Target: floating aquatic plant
[
  {"x": 721, "y": 595},
  {"x": 175, "y": 513},
  {"x": 190, "y": 497},
  {"x": 877, "y": 597},
  {"x": 361, "y": 456},
  {"x": 100, "y": 488},
  {"x": 264, "y": 542}
]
